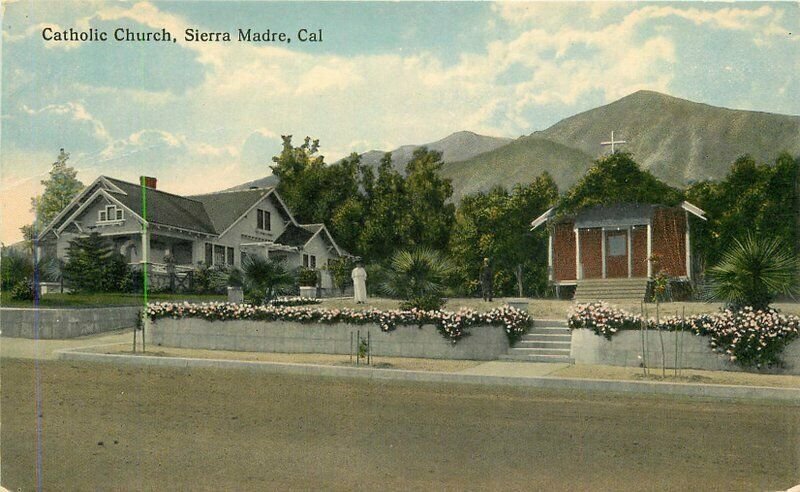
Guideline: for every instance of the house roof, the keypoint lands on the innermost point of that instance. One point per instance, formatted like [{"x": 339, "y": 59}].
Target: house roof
[
  {"x": 225, "y": 208},
  {"x": 623, "y": 214},
  {"x": 295, "y": 235},
  {"x": 165, "y": 208}
]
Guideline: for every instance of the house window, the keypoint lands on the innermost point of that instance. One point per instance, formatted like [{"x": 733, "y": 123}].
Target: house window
[
  {"x": 264, "y": 223},
  {"x": 229, "y": 256},
  {"x": 209, "y": 254},
  {"x": 309, "y": 261},
  {"x": 219, "y": 255},
  {"x": 110, "y": 213}
]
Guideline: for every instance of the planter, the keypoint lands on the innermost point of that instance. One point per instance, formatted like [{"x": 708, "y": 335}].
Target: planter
[
  {"x": 308, "y": 291},
  {"x": 235, "y": 294}
]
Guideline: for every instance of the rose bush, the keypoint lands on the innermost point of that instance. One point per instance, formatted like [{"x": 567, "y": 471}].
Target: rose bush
[
  {"x": 452, "y": 325},
  {"x": 748, "y": 337}
]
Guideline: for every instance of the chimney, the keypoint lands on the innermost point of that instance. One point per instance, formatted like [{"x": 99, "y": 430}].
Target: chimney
[{"x": 148, "y": 181}]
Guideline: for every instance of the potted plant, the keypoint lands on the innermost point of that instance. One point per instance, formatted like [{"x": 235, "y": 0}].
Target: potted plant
[{"x": 307, "y": 278}]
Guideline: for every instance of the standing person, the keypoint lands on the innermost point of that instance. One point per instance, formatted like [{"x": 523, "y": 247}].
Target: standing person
[
  {"x": 359, "y": 276},
  {"x": 487, "y": 278}
]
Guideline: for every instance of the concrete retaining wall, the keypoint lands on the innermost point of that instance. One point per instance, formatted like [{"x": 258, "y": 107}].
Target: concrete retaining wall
[
  {"x": 483, "y": 342},
  {"x": 625, "y": 349},
  {"x": 65, "y": 322}
]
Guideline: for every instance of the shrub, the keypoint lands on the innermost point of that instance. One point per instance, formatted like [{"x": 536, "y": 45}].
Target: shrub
[
  {"x": 452, "y": 326},
  {"x": 341, "y": 269},
  {"x": 418, "y": 278},
  {"x": 748, "y": 337},
  {"x": 265, "y": 278},
  {"x": 307, "y": 277},
  {"x": 752, "y": 272},
  {"x": 293, "y": 301},
  {"x": 603, "y": 319},
  {"x": 15, "y": 267},
  {"x": 23, "y": 291},
  {"x": 92, "y": 266}
]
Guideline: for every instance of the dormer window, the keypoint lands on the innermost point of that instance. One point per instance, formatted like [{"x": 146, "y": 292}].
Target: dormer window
[{"x": 111, "y": 213}]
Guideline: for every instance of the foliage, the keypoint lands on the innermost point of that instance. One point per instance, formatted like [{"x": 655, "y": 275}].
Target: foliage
[
  {"x": 418, "y": 277},
  {"x": 751, "y": 338},
  {"x": 753, "y": 271},
  {"x": 235, "y": 277},
  {"x": 265, "y": 278},
  {"x": 59, "y": 190},
  {"x": 15, "y": 267},
  {"x": 92, "y": 266},
  {"x": 341, "y": 270},
  {"x": 293, "y": 301},
  {"x": 754, "y": 198},
  {"x": 617, "y": 178},
  {"x": 307, "y": 277},
  {"x": 210, "y": 280},
  {"x": 452, "y": 326},
  {"x": 496, "y": 225},
  {"x": 602, "y": 319},
  {"x": 23, "y": 291}
]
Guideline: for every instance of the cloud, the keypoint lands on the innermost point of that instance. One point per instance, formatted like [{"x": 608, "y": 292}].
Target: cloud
[{"x": 67, "y": 124}]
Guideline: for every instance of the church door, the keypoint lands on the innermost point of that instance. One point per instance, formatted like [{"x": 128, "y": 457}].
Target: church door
[{"x": 616, "y": 254}]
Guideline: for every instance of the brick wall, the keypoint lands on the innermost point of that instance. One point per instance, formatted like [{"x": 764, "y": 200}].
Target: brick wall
[
  {"x": 669, "y": 241},
  {"x": 564, "y": 251},
  {"x": 639, "y": 246}
]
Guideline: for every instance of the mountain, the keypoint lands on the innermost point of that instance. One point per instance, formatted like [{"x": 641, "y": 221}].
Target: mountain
[
  {"x": 458, "y": 146},
  {"x": 679, "y": 141},
  {"x": 520, "y": 161}
]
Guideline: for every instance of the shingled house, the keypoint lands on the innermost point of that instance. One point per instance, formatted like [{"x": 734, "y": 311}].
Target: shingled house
[
  {"x": 611, "y": 251},
  {"x": 218, "y": 229}
]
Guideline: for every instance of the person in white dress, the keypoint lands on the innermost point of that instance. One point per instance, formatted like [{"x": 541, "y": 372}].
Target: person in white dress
[{"x": 359, "y": 276}]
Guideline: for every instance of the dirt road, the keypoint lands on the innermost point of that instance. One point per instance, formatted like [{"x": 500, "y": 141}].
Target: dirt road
[{"x": 124, "y": 428}]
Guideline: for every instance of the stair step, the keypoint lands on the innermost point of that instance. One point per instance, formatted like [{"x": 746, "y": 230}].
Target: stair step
[
  {"x": 549, "y": 323},
  {"x": 539, "y": 351},
  {"x": 538, "y": 358}
]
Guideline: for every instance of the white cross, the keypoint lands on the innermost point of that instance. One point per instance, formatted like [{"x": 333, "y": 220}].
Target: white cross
[{"x": 613, "y": 142}]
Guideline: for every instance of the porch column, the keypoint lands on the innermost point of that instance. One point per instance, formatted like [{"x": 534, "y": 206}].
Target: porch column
[
  {"x": 550, "y": 256},
  {"x": 688, "y": 250},
  {"x": 630, "y": 252},
  {"x": 145, "y": 247},
  {"x": 266, "y": 252},
  {"x": 603, "y": 249},
  {"x": 578, "y": 269},
  {"x": 649, "y": 250}
]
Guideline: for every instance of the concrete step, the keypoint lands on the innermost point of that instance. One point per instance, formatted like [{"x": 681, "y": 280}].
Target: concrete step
[
  {"x": 549, "y": 323},
  {"x": 543, "y": 344},
  {"x": 538, "y": 351},
  {"x": 546, "y": 338},
  {"x": 538, "y": 358}
]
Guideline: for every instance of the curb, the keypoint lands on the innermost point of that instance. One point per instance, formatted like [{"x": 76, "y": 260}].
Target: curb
[{"x": 543, "y": 382}]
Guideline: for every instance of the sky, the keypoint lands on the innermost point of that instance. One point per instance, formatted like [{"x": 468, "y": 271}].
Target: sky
[{"x": 204, "y": 116}]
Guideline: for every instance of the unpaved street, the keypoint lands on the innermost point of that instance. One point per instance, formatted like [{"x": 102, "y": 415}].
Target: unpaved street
[{"x": 128, "y": 428}]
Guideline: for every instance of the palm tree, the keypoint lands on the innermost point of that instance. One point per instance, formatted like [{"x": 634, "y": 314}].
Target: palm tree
[
  {"x": 418, "y": 278},
  {"x": 265, "y": 276},
  {"x": 752, "y": 272}
]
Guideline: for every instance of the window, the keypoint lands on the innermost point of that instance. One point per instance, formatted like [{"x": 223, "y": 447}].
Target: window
[
  {"x": 229, "y": 256},
  {"x": 313, "y": 261},
  {"x": 110, "y": 213},
  {"x": 264, "y": 223},
  {"x": 309, "y": 261},
  {"x": 616, "y": 245},
  {"x": 219, "y": 254}
]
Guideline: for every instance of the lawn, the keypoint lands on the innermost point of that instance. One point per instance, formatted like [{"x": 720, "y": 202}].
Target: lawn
[{"x": 104, "y": 299}]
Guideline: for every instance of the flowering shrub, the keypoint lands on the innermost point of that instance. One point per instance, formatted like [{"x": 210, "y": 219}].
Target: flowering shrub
[
  {"x": 294, "y": 301},
  {"x": 453, "y": 326},
  {"x": 747, "y": 337},
  {"x": 603, "y": 319}
]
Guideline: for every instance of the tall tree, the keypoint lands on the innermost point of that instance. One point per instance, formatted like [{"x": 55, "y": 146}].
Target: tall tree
[
  {"x": 495, "y": 225},
  {"x": 430, "y": 216},
  {"x": 59, "y": 190}
]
